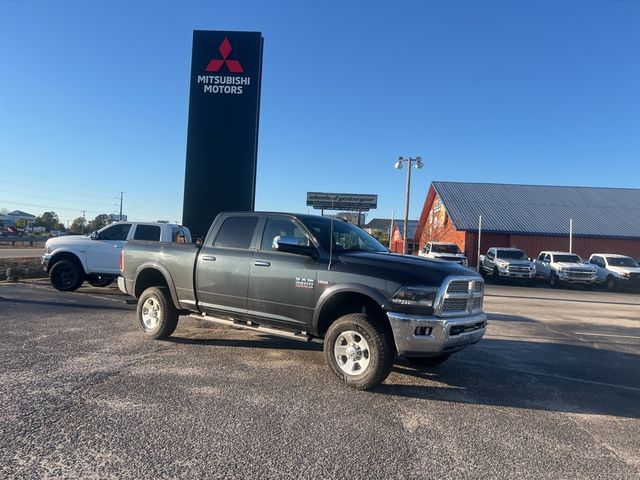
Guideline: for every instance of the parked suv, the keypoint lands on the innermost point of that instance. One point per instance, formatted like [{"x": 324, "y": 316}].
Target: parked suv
[
  {"x": 616, "y": 270},
  {"x": 564, "y": 267},
  {"x": 444, "y": 251}
]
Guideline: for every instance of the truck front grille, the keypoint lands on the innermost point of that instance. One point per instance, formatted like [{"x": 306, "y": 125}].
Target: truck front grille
[
  {"x": 519, "y": 269},
  {"x": 461, "y": 297},
  {"x": 579, "y": 274},
  {"x": 458, "y": 329}
]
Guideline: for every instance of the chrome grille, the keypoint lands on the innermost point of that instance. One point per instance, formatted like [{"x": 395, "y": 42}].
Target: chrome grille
[
  {"x": 461, "y": 296},
  {"x": 519, "y": 269},
  {"x": 458, "y": 287},
  {"x": 579, "y": 274},
  {"x": 454, "y": 305}
]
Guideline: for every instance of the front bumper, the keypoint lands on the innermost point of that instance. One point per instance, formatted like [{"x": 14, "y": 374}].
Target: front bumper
[
  {"x": 45, "y": 261},
  {"x": 428, "y": 336},
  {"x": 568, "y": 278},
  {"x": 518, "y": 275}
]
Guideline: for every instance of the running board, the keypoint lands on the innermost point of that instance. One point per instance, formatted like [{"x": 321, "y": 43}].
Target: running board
[{"x": 302, "y": 336}]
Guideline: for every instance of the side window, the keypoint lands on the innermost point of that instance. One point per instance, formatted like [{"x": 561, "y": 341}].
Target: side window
[
  {"x": 276, "y": 228},
  {"x": 541, "y": 257},
  {"x": 601, "y": 262},
  {"x": 490, "y": 254},
  {"x": 147, "y": 232},
  {"x": 179, "y": 235},
  {"x": 116, "y": 232},
  {"x": 548, "y": 258},
  {"x": 236, "y": 232}
]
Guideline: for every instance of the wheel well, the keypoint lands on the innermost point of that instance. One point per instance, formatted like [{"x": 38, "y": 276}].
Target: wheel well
[
  {"x": 149, "y": 277},
  {"x": 350, "y": 302},
  {"x": 64, "y": 256}
]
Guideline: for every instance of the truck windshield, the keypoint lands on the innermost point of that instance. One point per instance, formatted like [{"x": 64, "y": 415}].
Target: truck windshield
[
  {"x": 512, "y": 254},
  {"x": 346, "y": 237},
  {"x": 621, "y": 262},
  {"x": 445, "y": 248},
  {"x": 567, "y": 259}
]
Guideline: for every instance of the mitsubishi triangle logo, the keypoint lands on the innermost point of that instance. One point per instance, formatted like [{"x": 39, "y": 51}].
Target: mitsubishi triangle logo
[{"x": 233, "y": 66}]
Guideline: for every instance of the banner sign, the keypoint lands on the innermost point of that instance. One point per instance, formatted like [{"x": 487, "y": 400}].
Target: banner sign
[
  {"x": 342, "y": 201},
  {"x": 222, "y": 138}
]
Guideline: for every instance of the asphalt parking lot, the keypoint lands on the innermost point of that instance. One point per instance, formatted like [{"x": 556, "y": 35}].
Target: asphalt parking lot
[{"x": 553, "y": 391}]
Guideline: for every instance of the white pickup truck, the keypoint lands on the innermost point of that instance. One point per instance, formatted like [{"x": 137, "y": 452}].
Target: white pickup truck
[
  {"x": 616, "y": 270},
  {"x": 444, "y": 251},
  {"x": 564, "y": 267},
  {"x": 507, "y": 263},
  {"x": 72, "y": 259}
]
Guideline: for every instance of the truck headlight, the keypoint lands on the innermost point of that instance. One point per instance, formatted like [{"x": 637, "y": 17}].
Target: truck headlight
[
  {"x": 415, "y": 296},
  {"x": 503, "y": 267}
]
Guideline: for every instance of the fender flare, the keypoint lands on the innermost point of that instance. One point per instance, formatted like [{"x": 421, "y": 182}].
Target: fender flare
[
  {"x": 65, "y": 250},
  {"x": 167, "y": 277},
  {"x": 358, "y": 288}
]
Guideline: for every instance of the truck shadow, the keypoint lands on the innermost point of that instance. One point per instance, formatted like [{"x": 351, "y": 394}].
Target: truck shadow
[{"x": 529, "y": 375}]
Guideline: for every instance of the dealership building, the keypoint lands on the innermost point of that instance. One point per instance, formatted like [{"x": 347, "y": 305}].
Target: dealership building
[{"x": 532, "y": 218}]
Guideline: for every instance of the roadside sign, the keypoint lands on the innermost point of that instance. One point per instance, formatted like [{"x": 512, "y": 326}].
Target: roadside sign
[{"x": 342, "y": 201}]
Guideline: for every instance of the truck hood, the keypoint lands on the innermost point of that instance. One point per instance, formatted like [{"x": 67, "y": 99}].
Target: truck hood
[
  {"x": 575, "y": 266},
  {"x": 624, "y": 269},
  {"x": 59, "y": 242},
  {"x": 403, "y": 269}
]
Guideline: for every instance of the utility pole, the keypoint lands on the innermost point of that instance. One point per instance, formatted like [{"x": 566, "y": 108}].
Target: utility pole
[
  {"x": 121, "y": 194},
  {"x": 418, "y": 164},
  {"x": 84, "y": 220}
]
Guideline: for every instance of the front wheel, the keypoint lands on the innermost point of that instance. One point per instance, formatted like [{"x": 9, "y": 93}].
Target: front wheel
[
  {"x": 358, "y": 351},
  {"x": 610, "y": 283},
  {"x": 66, "y": 276},
  {"x": 156, "y": 314},
  {"x": 553, "y": 280}
]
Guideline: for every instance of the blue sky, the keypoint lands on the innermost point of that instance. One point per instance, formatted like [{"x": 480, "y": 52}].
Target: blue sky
[{"x": 94, "y": 98}]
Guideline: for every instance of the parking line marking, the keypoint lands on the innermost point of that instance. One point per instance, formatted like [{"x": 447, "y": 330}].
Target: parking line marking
[{"x": 608, "y": 335}]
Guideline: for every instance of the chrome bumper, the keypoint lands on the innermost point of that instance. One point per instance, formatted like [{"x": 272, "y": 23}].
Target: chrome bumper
[
  {"x": 428, "y": 336},
  {"x": 122, "y": 285},
  {"x": 45, "y": 261}
]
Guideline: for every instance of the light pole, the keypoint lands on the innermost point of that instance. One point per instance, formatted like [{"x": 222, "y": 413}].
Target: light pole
[{"x": 418, "y": 164}]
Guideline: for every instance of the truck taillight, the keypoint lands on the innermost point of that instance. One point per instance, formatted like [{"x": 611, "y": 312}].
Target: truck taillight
[{"x": 121, "y": 260}]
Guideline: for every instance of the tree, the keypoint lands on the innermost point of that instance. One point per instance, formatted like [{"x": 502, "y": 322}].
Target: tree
[
  {"x": 48, "y": 220},
  {"x": 79, "y": 225},
  {"x": 100, "y": 221},
  {"x": 4, "y": 211}
]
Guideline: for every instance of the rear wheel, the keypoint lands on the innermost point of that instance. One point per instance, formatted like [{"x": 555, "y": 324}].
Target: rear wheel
[
  {"x": 98, "y": 281},
  {"x": 358, "y": 351},
  {"x": 66, "y": 276},
  {"x": 156, "y": 314}
]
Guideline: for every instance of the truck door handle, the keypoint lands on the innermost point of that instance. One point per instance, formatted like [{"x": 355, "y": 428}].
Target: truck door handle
[
  {"x": 208, "y": 258},
  {"x": 260, "y": 263},
  {"x": 117, "y": 246}
]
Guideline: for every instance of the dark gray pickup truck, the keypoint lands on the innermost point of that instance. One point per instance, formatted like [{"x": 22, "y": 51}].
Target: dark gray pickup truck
[{"x": 314, "y": 279}]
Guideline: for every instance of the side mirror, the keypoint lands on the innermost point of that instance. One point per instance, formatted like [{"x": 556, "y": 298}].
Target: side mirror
[
  {"x": 290, "y": 245},
  {"x": 93, "y": 236}
]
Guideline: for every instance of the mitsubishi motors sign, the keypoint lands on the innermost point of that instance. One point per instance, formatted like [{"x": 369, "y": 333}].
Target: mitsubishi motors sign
[{"x": 222, "y": 138}]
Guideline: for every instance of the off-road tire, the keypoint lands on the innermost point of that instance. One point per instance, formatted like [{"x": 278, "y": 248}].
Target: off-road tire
[
  {"x": 66, "y": 275},
  {"x": 553, "y": 280},
  {"x": 379, "y": 351},
  {"x": 156, "y": 315},
  {"x": 422, "y": 362},
  {"x": 496, "y": 275}
]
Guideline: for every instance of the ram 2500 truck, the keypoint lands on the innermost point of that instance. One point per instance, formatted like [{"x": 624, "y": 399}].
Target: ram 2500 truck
[
  {"x": 314, "y": 279},
  {"x": 507, "y": 263},
  {"x": 72, "y": 259}
]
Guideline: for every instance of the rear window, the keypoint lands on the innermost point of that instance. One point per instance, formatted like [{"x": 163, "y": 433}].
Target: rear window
[
  {"x": 147, "y": 232},
  {"x": 236, "y": 232}
]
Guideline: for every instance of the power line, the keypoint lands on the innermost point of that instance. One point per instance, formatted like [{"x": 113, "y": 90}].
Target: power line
[
  {"x": 66, "y": 192},
  {"x": 45, "y": 197}
]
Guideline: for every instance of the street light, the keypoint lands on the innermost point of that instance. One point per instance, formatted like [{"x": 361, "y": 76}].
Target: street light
[{"x": 418, "y": 164}]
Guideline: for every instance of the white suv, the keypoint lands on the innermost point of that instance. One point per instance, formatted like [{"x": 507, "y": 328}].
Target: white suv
[{"x": 616, "y": 270}]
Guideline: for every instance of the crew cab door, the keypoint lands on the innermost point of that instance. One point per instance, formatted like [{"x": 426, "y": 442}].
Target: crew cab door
[
  {"x": 282, "y": 286},
  {"x": 223, "y": 265},
  {"x": 543, "y": 265},
  {"x": 103, "y": 251}
]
